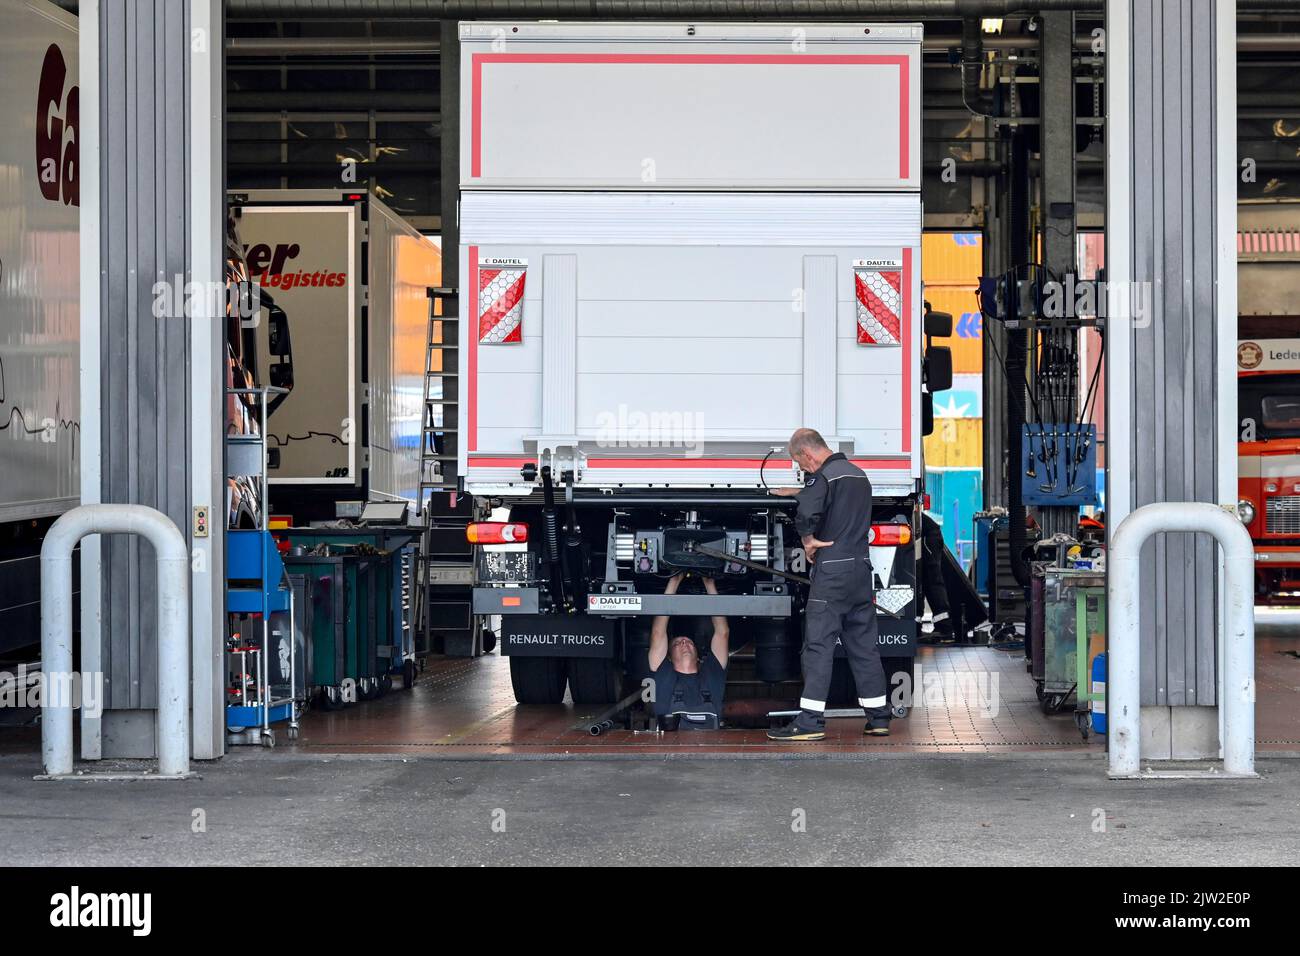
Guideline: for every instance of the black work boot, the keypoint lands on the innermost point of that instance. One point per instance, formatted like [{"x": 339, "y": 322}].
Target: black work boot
[
  {"x": 877, "y": 725},
  {"x": 805, "y": 727}
]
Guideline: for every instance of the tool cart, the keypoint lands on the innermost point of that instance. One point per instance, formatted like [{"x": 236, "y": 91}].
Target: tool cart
[{"x": 264, "y": 648}]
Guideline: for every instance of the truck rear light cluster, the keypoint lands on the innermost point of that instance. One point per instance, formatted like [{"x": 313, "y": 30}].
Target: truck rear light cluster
[
  {"x": 624, "y": 548},
  {"x": 496, "y": 532},
  {"x": 759, "y": 550},
  {"x": 890, "y": 535}
]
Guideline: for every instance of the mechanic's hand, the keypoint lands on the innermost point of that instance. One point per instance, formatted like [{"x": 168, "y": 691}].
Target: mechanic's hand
[
  {"x": 785, "y": 492},
  {"x": 811, "y": 546},
  {"x": 675, "y": 582},
  {"x": 710, "y": 587}
]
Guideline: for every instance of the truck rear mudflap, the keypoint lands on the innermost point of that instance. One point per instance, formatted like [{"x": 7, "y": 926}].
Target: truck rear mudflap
[{"x": 549, "y": 635}]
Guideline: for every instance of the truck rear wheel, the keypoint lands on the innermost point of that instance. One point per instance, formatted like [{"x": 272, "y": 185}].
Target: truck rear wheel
[
  {"x": 538, "y": 680},
  {"x": 776, "y": 650},
  {"x": 595, "y": 680},
  {"x": 843, "y": 692},
  {"x": 636, "y": 651}
]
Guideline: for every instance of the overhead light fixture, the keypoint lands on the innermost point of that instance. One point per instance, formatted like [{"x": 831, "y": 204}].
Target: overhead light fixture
[{"x": 991, "y": 24}]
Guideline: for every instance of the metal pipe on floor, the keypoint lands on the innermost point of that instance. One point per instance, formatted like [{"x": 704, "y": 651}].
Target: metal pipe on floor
[
  {"x": 604, "y": 721},
  {"x": 1124, "y": 659},
  {"x": 173, "y": 578}
]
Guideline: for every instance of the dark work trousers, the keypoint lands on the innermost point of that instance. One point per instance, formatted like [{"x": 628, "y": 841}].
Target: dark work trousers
[
  {"x": 933, "y": 585},
  {"x": 841, "y": 607}
]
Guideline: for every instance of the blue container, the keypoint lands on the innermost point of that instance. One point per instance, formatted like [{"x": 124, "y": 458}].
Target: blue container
[
  {"x": 1099, "y": 688},
  {"x": 987, "y": 527}
]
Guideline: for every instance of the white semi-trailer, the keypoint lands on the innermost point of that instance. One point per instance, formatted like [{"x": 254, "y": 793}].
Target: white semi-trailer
[
  {"x": 39, "y": 319},
  {"x": 353, "y": 278},
  {"x": 679, "y": 243}
]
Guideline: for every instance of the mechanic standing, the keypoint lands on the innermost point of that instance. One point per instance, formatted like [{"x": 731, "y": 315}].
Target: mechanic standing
[{"x": 834, "y": 521}]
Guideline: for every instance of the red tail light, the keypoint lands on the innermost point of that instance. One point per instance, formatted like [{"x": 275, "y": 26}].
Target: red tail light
[
  {"x": 496, "y": 532},
  {"x": 890, "y": 535}
]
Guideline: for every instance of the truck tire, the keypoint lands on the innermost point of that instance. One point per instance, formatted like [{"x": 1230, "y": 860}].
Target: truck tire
[
  {"x": 776, "y": 650},
  {"x": 900, "y": 675},
  {"x": 843, "y": 692},
  {"x": 538, "y": 680},
  {"x": 595, "y": 680},
  {"x": 637, "y": 649}
]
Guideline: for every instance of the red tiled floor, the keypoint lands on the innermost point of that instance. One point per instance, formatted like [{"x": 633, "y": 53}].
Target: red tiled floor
[
  {"x": 464, "y": 706},
  {"x": 461, "y": 707}
]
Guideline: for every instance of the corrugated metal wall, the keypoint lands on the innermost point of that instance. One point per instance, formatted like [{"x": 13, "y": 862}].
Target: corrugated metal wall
[
  {"x": 1174, "y": 456},
  {"x": 143, "y": 169}
]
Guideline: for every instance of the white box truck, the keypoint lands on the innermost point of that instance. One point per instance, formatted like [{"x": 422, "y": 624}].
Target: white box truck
[
  {"x": 352, "y": 278},
  {"x": 39, "y": 317},
  {"x": 679, "y": 243}
]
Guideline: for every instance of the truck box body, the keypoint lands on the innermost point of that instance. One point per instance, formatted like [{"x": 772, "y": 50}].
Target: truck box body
[
  {"x": 39, "y": 261},
  {"x": 680, "y": 243},
  {"x": 688, "y": 222},
  {"x": 352, "y": 278},
  {"x": 674, "y": 106},
  {"x": 40, "y": 413}
]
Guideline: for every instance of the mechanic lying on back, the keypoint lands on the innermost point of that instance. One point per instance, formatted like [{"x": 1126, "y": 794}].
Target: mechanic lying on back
[{"x": 688, "y": 686}]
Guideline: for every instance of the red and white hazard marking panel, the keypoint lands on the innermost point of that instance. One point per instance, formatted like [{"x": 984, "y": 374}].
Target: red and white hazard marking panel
[
  {"x": 878, "y": 296},
  {"x": 501, "y": 301}
]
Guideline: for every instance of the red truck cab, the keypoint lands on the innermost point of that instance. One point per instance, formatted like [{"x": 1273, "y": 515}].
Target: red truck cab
[{"x": 1268, "y": 454}]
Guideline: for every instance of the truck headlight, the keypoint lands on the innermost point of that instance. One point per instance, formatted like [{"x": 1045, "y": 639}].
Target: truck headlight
[{"x": 1246, "y": 510}]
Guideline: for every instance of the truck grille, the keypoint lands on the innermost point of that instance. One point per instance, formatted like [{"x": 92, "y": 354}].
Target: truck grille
[{"x": 1282, "y": 515}]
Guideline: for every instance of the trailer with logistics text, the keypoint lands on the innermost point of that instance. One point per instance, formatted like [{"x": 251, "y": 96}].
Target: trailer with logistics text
[
  {"x": 354, "y": 279},
  {"x": 39, "y": 304}
]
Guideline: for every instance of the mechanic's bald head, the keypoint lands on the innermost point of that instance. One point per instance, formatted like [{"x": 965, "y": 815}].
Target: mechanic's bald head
[{"x": 808, "y": 449}]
